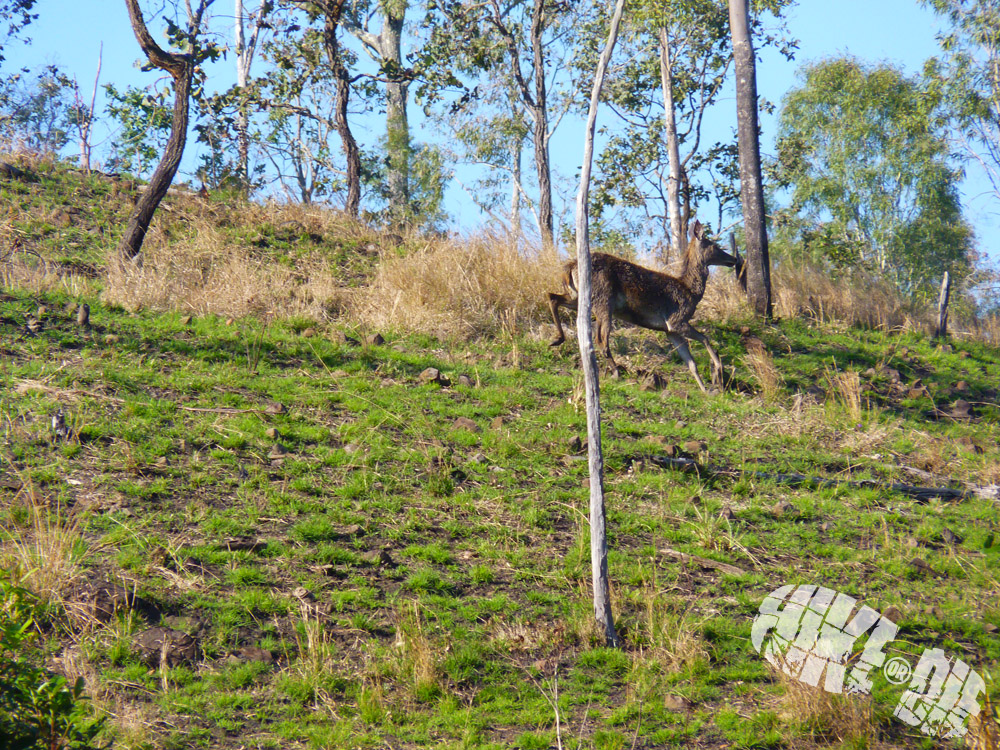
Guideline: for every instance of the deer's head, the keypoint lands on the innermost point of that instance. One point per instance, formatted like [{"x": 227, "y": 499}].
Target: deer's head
[{"x": 708, "y": 250}]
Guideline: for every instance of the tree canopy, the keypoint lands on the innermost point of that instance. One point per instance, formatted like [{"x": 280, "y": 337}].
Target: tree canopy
[{"x": 864, "y": 153}]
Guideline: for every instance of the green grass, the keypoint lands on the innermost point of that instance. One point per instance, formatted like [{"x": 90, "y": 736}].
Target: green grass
[{"x": 448, "y": 570}]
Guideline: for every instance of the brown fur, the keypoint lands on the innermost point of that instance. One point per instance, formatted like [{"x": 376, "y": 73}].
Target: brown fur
[{"x": 650, "y": 299}]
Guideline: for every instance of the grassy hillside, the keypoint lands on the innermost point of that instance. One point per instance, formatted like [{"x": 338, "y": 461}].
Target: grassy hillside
[{"x": 348, "y": 552}]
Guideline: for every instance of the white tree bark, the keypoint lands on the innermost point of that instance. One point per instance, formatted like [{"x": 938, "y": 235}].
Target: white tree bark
[
  {"x": 677, "y": 231},
  {"x": 598, "y": 527}
]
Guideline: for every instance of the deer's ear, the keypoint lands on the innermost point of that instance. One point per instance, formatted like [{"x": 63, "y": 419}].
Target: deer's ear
[{"x": 696, "y": 230}]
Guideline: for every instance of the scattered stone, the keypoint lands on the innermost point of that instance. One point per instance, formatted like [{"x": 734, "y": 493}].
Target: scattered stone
[
  {"x": 243, "y": 544},
  {"x": 497, "y": 423},
  {"x": 278, "y": 451},
  {"x": 893, "y": 613},
  {"x": 893, "y": 375},
  {"x": 911, "y": 542},
  {"x": 339, "y": 337},
  {"x": 694, "y": 446},
  {"x": 464, "y": 423},
  {"x": 950, "y": 537},
  {"x": 339, "y": 374},
  {"x": 230, "y": 321},
  {"x": 433, "y": 375},
  {"x": 961, "y": 409},
  {"x": 962, "y": 387},
  {"x": 379, "y": 557},
  {"x": 374, "y": 339},
  {"x": 680, "y": 424},
  {"x": 478, "y": 458},
  {"x": 653, "y": 381},
  {"x": 276, "y": 408},
  {"x": 162, "y": 462},
  {"x": 309, "y": 332},
  {"x": 303, "y": 594},
  {"x": 111, "y": 339},
  {"x": 185, "y": 320},
  {"x": 783, "y": 507},
  {"x": 676, "y": 703},
  {"x": 161, "y": 646},
  {"x": 466, "y": 381},
  {"x": 919, "y": 392},
  {"x": 254, "y": 653},
  {"x": 351, "y": 448},
  {"x": 273, "y": 433},
  {"x": 921, "y": 567}
]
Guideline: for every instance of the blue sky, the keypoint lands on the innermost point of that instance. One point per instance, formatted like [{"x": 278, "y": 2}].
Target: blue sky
[{"x": 69, "y": 33}]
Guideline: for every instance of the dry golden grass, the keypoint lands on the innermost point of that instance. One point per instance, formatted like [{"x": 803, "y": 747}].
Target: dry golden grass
[
  {"x": 417, "y": 664},
  {"x": 673, "y": 634},
  {"x": 460, "y": 289},
  {"x": 45, "y": 554},
  {"x": 761, "y": 365},
  {"x": 205, "y": 274},
  {"x": 824, "y": 715}
]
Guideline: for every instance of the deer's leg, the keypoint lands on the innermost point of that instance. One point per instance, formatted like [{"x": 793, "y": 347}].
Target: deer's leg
[
  {"x": 716, "y": 360},
  {"x": 555, "y": 302},
  {"x": 682, "y": 349},
  {"x": 604, "y": 340}
]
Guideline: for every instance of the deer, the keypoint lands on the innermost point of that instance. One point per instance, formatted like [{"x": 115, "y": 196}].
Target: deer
[{"x": 649, "y": 299}]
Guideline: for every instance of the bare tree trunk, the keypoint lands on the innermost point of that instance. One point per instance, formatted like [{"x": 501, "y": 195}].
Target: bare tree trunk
[
  {"x": 751, "y": 186},
  {"x": 181, "y": 68},
  {"x": 677, "y": 229},
  {"x": 942, "y": 322},
  {"x": 541, "y": 129},
  {"x": 515, "y": 191},
  {"x": 333, "y": 16},
  {"x": 86, "y": 122},
  {"x": 396, "y": 123},
  {"x": 598, "y": 525},
  {"x": 244, "y": 58}
]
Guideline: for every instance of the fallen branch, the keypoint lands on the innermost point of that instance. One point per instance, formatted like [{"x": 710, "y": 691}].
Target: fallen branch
[
  {"x": 921, "y": 494},
  {"x": 702, "y": 562}
]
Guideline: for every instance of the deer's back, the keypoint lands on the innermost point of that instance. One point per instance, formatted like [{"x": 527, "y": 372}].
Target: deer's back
[{"x": 638, "y": 295}]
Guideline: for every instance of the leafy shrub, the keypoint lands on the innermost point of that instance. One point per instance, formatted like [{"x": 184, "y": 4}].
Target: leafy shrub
[{"x": 38, "y": 709}]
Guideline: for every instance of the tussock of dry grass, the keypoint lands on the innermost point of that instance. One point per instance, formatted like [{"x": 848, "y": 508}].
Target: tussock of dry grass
[
  {"x": 455, "y": 289},
  {"x": 205, "y": 274},
  {"x": 825, "y": 715}
]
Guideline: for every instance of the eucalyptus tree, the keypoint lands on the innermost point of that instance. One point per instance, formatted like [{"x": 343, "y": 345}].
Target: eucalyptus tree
[
  {"x": 970, "y": 75},
  {"x": 504, "y": 61},
  {"x": 758, "y": 261},
  {"x": 385, "y": 47},
  {"x": 244, "y": 48},
  {"x": 864, "y": 151},
  {"x": 657, "y": 167},
  {"x": 183, "y": 67}
]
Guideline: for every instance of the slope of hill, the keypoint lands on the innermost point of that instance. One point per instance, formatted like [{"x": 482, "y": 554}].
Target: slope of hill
[{"x": 265, "y": 530}]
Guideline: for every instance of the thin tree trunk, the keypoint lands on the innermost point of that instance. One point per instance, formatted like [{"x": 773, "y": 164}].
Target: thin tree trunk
[
  {"x": 242, "y": 76},
  {"x": 88, "y": 122},
  {"x": 334, "y": 13},
  {"x": 942, "y": 322},
  {"x": 515, "y": 191},
  {"x": 677, "y": 229},
  {"x": 598, "y": 524},
  {"x": 541, "y": 129},
  {"x": 397, "y": 123},
  {"x": 181, "y": 68},
  {"x": 751, "y": 185}
]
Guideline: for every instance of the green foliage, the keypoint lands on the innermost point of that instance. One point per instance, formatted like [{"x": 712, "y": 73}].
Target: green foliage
[
  {"x": 145, "y": 120},
  {"x": 15, "y": 15},
  {"x": 864, "y": 153},
  {"x": 39, "y": 113},
  {"x": 37, "y": 708}
]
